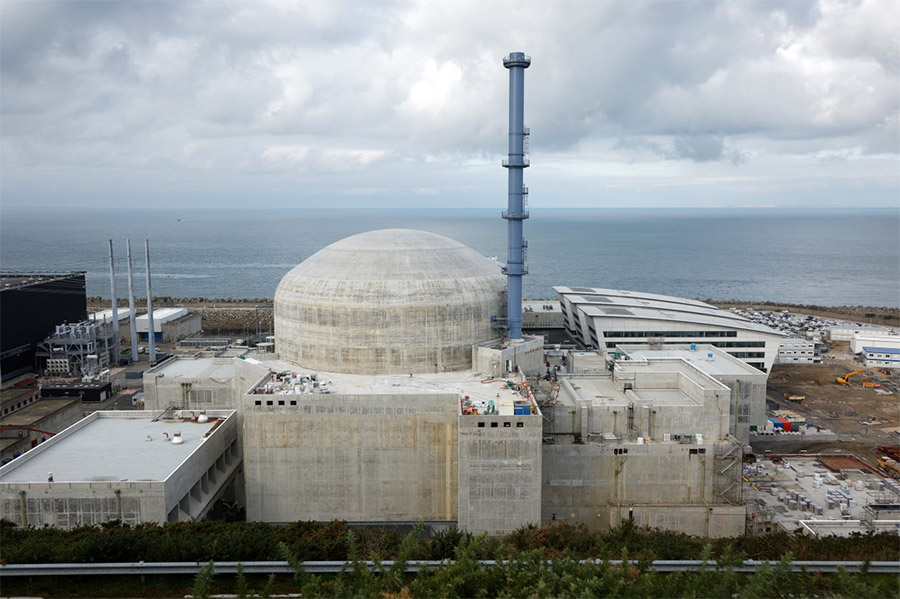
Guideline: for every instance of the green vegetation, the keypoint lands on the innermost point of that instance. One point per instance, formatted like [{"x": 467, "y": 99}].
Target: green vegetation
[{"x": 539, "y": 562}]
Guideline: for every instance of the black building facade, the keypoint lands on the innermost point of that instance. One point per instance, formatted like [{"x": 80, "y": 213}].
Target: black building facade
[{"x": 31, "y": 305}]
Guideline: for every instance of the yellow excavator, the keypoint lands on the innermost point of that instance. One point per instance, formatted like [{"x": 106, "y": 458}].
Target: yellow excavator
[{"x": 846, "y": 378}]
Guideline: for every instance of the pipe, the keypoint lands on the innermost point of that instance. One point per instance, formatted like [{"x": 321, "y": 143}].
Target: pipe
[
  {"x": 515, "y": 268},
  {"x": 703, "y": 491},
  {"x": 23, "y": 520},
  {"x": 620, "y": 466},
  {"x": 151, "y": 334},
  {"x": 114, "y": 305},
  {"x": 131, "y": 310}
]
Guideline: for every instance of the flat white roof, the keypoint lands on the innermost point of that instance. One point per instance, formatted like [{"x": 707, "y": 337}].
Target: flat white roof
[
  {"x": 796, "y": 341},
  {"x": 602, "y": 389},
  {"x": 111, "y": 446},
  {"x": 612, "y": 294},
  {"x": 720, "y": 363},
  {"x": 196, "y": 368},
  {"x": 163, "y": 315},
  {"x": 462, "y": 383},
  {"x": 866, "y": 328},
  {"x": 106, "y": 315}
]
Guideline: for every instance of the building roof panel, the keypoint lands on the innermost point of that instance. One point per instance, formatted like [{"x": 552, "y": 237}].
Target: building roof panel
[
  {"x": 110, "y": 446},
  {"x": 197, "y": 368}
]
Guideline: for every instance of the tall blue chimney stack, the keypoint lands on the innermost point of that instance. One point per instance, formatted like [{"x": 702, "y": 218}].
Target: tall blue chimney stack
[{"x": 517, "y": 210}]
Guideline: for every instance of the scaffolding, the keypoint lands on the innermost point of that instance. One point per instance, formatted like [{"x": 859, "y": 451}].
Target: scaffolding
[
  {"x": 80, "y": 349},
  {"x": 727, "y": 481}
]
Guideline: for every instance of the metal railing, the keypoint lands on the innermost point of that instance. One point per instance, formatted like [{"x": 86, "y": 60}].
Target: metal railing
[{"x": 412, "y": 566}]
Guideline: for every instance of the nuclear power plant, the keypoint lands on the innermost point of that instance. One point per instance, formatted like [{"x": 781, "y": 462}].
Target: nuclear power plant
[{"x": 402, "y": 389}]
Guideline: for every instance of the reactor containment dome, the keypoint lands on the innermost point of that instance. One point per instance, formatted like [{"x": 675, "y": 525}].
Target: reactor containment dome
[{"x": 393, "y": 301}]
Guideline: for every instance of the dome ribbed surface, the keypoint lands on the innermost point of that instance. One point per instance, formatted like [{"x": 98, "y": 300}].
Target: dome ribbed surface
[{"x": 389, "y": 301}]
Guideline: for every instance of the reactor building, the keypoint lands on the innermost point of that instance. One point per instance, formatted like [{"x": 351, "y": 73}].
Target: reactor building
[{"x": 402, "y": 390}]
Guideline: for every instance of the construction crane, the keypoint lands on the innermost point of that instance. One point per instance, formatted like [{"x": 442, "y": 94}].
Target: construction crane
[{"x": 846, "y": 378}]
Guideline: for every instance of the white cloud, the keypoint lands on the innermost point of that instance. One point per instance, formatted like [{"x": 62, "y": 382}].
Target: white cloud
[{"x": 411, "y": 96}]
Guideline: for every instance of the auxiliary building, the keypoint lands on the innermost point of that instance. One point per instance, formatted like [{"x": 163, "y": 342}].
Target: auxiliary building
[
  {"x": 601, "y": 319},
  {"x": 132, "y": 466}
]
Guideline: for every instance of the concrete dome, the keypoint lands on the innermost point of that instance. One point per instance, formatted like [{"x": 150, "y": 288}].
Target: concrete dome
[{"x": 388, "y": 302}]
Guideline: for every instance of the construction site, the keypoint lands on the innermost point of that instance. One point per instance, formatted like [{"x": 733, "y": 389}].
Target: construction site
[{"x": 862, "y": 411}]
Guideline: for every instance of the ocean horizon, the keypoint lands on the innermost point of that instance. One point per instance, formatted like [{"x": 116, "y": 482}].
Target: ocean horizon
[{"x": 826, "y": 257}]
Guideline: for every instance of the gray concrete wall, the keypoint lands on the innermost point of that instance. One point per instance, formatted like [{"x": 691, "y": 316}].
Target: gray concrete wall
[
  {"x": 68, "y": 505},
  {"x": 499, "y": 472},
  {"x": 202, "y": 476},
  {"x": 498, "y": 360},
  {"x": 48, "y": 414},
  {"x": 597, "y": 483},
  {"x": 190, "y": 393},
  {"x": 187, "y": 325},
  {"x": 651, "y": 420},
  {"x": 352, "y": 457},
  {"x": 748, "y": 403},
  {"x": 585, "y": 363},
  {"x": 185, "y": 495},
  {"x": 715, "y": 521}
]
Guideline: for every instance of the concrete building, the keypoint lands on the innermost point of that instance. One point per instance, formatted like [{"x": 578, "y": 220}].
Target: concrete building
[
  {"x": 34, "y": 422},
  {"x": 601, "y": 319},
  {"x": 169, "y": 325},
  {"x": 747, "y": 384},
  {"x": 881, "y": 357},
  {"x": 129, "y": 466},
  {"x": 845, "y": 332},
  {"x": 794, "y": 350},
  {"x": 544, "y": 317},
  {"x": 441, "y": 448},
  {"x": 191, "y": 383},
  {"x": 858, "y": 342},
  {"x": 649, "y": 442},
  {"x": 15, "y": 398}
]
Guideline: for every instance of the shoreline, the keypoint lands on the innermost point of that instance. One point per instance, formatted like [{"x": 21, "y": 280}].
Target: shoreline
[{"x": 239, "y": 315}]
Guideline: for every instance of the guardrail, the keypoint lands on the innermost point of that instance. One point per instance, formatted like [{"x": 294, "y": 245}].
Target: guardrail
[{"x": 412, "y": 566}]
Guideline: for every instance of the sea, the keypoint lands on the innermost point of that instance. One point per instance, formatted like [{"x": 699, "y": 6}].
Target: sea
[{"x": 821, "y": 257}]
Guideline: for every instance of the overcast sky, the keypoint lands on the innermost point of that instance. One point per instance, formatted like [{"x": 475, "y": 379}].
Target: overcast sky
[{"x": 329, "y": 103}]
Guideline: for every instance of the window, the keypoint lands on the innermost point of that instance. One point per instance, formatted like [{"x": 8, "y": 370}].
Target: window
[
  {"x": 506, "y": 425},
  {"x": 257, "y": 402},
  {"x": 520, "y": 425},
  {"x": 480, "y": 425},
  {"x": 493, "y": 425}
]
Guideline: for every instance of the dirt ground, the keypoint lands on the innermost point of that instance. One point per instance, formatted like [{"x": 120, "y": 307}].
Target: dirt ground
[{"x": 862, "y": 417}]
